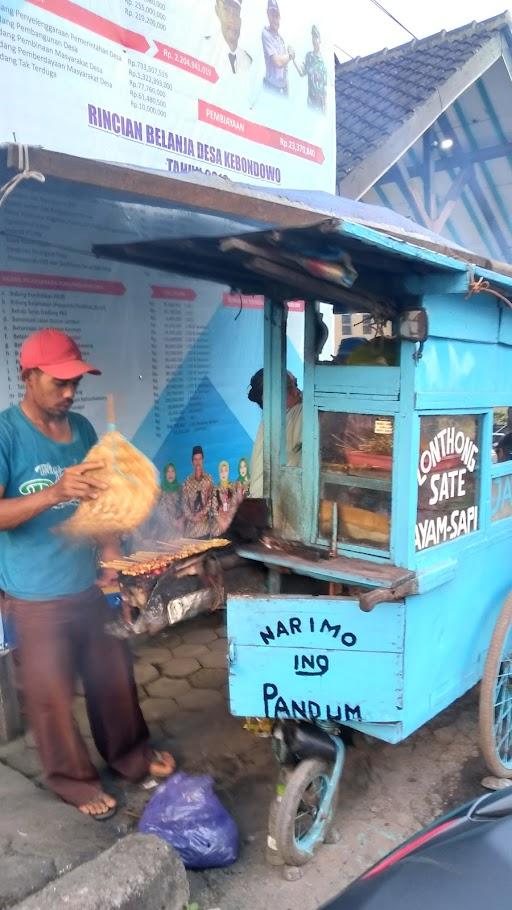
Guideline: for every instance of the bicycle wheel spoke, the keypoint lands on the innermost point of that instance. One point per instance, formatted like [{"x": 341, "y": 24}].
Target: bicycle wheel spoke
[
  {"x": 506, "y": 724},
  {"x": 309, "y": 808}
]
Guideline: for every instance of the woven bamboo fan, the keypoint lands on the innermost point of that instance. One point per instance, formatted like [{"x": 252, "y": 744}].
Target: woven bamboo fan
[{"x": 132, "y": 489}]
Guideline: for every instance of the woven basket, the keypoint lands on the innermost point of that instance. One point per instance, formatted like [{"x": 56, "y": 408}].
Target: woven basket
[{"x": 131, "y": 494}]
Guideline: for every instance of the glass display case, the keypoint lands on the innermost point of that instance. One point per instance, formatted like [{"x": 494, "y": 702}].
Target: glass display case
[{"x": 356, "y": 458}]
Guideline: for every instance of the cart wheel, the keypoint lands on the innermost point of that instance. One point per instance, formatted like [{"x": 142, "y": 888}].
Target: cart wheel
[
  {"x": 301, "y": 822},
  {"x": 496, "y": 698}
]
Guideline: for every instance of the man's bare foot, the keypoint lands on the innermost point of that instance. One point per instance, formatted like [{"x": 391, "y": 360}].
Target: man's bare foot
[
  {"x": 100, "y": 808},
  {"x": 163, "y": 765}
]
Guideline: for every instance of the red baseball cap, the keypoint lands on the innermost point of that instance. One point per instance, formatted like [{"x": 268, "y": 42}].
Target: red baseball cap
[{"x": 54, "y": 353}]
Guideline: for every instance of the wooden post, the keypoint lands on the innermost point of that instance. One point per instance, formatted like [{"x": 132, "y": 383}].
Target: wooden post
[{"x": 274, "y": 395}]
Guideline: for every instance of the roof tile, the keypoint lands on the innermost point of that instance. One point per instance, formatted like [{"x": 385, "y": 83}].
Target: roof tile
[{"x": 375, "y": 95}]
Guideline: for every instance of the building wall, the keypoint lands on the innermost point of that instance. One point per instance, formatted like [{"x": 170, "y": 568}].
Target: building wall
[{"x": 470, "y": 206}]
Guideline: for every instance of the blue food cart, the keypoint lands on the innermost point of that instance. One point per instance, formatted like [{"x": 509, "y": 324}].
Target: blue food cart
[{"x": 389, "y": 545}]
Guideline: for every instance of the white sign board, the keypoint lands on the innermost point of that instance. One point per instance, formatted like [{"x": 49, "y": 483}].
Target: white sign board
[{"x": 238, "y": 88}]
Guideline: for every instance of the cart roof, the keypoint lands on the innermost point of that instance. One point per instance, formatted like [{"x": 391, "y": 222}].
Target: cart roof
[
  {"x": 210, "y": 219},
  {"x": 278, "y": 262}
]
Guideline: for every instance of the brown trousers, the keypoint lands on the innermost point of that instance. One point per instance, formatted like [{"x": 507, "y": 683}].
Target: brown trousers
[{"x": 59, "y": 641}]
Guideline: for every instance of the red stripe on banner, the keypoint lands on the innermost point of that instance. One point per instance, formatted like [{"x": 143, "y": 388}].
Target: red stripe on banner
[
  {"x": 160, "y": 292},
  {"x": 246, "y": 301},
  {"x": 255, "y": 302},
  {"x": 61, "y": 283},
  {"x": 256, "y": 132},
  {"x": 76, "y": 14},
  {"x": 186, "y": 62},
  {"x": 296, "y": 306}
]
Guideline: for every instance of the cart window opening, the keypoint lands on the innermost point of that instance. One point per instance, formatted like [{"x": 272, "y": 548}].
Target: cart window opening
[
  {"x": 356, "y": 455},
  {"x": 502, "y": 435},
  {"x": 448, "y": 479},
  {"x": 325, "y": 333},
  {"x": 294, "y": 383},
  {"x": 360, "y": 341},
  {"x": 501, "y": 488}
]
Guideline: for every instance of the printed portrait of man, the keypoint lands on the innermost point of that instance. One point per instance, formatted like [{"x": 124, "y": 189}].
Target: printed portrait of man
[{"x": 221, "y": 48}]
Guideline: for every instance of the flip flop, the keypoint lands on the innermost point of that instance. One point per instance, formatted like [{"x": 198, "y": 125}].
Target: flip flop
[
  {"x": 99, "y": 816},
  {"x": 103, "y": 816}
]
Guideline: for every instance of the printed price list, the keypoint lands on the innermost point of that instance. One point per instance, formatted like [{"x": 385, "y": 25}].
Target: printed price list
[
  {"x": 10, "y": 378},
  {"x": 148, "y": 87},
  {"x": 179, "y": 362},
  {"x": 151, "y": 13}
]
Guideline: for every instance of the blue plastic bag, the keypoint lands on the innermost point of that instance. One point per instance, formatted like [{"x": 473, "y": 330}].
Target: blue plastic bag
[{"x": 186, "y": 813}]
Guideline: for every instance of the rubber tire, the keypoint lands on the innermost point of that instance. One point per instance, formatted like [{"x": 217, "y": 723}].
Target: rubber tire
[
  {"x": 486, "y": 708},
  {"x": 298, "y": 782}
]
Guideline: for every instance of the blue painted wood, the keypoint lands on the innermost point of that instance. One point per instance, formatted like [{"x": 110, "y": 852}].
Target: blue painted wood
[
  {"x": 293, "y": 621},
  {"x": 451, "y": 375},
  {"x": 501, "y": 470},
  {"x": 363, "y": 551},
  {"x": 484, "y": 505},
  {"x": 436, "y": 284},
  {"x": 260, "y": 690},
  {"x": 495, "y": 278},
  {"x": 501, "y": 493},
  {"x": 400, "y": 248},
  {"x": 459, "y": 319},
  {"x": 505, "y": 330},
  {"x": 357, "y": 404},
  {"x": 351, "y": 480},
  {"x": 287, "y": 503},
  {"x": 448, "y": 631},
  {"x": 334, "y": 570},
  {"x": 376, "y": 381},
  {"x": 267, "y": 401},
  {"x": 310, "y": 466},
  {"x": 388, "y": 733},
  {"x": 408, "y": 661},
  {"x": 437, "y": 574},
  {"x": 405, "y": 462},
  {"x": 274, "y": 407},
  {"x": 320, "y": 670}
]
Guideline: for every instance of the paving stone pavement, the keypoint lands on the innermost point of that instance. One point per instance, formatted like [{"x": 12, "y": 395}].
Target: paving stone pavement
[
  {"x": 387, "y": 792},
  {"x": 40, "y": 837}
]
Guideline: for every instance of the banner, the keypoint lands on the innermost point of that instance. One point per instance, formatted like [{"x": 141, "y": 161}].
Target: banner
[
  {"x": 174, "y": 352},
  {"x": 238, "y": 88}
]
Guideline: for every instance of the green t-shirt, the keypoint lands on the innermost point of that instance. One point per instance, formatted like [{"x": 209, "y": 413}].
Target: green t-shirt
[{"x": 36, "y": 561}]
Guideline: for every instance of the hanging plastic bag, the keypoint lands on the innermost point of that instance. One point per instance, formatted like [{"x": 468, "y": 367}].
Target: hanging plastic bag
[{"x": 187, "y": 814}]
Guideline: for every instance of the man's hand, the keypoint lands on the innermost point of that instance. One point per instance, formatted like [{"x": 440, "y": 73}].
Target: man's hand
[
  {"x": 76, "y": 483},
  {"x": 291, "y": 53}
]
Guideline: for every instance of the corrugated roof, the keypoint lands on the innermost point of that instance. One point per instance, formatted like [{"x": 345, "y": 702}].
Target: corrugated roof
[{"x": 378, "y": 94}]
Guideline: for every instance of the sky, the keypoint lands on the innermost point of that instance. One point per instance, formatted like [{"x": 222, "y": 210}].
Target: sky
[{"x": 360, "y": 28}]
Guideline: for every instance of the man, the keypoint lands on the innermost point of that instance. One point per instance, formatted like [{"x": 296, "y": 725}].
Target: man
[
  {"x": 222, "y": 49},
  {"x": 293, "y": 429},
  {"x": 316, "y": 71},
  {"x": 504, "y": 448},
  {"x": 50, "y": 585},
  {"x": 277, "y": 55},
  {"x": 197, "y": 493}
]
